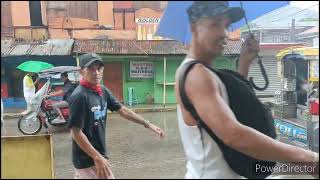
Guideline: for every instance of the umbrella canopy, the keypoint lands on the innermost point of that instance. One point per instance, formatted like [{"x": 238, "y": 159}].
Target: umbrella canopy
[
  {"x": 174, "y": 23},
  {"x": 34, "y": 66}
]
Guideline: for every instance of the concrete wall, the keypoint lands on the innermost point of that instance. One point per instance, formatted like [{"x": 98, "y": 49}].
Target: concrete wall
[
  {"x": 105, "y": 13},
  {"x": 143, "y": 87},
  {"x": 62, "y": 25},
  {"x": 20, "y": 13},
  {"x": 154, "y": 86}
]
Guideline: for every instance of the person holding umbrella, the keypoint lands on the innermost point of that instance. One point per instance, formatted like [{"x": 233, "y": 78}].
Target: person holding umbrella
[
  {"x": 203, "y": 99},
  {"x": 29, "y": 88},
  {"x": 31, "y": 67}
]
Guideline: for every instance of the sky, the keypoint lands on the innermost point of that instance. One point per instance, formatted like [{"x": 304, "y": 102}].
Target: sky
[{"x": 306, "y": 4}]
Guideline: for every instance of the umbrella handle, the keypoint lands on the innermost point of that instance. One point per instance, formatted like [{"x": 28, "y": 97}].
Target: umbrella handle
[
  {"x": 263, "y": 71},
  {"x": 265, "y": 76}
]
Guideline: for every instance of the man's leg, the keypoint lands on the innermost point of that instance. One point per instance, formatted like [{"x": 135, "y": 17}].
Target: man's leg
[
  {"x": 59, "y": 112},
  {"x": 28, "y": 101},
  {"x": 59, "y": 105}
]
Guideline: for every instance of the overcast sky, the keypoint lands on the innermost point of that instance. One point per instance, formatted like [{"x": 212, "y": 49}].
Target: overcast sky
[{"x": 306, "y": 4}]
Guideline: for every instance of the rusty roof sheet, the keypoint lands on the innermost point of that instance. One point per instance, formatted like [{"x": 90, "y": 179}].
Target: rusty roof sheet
[
  {"x": 59, "y": 47},
  {"x": 128, "y": 47},
  {"x": 134, "y": 47},
  {"x": 116, "y": 47}
]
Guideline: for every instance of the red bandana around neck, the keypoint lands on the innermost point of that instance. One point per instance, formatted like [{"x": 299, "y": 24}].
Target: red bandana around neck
[{"x": 95, "y": 88}]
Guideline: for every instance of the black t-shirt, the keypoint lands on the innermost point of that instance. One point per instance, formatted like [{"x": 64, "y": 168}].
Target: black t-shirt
[
  {"x": 88, "y": 111},
  {"x": 68, "y": 88}
]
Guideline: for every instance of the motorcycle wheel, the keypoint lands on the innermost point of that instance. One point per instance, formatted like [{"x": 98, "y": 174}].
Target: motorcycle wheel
[{"x": 29, "y": 126}]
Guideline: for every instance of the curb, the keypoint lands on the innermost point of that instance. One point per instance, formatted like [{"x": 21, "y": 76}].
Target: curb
[
  {"x": 11, "y": 115},
  {"x": 136, "y": 110}
]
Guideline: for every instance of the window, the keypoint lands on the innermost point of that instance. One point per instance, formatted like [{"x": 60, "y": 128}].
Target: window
[
  {"x": 84, "y": 9},
  {"x": 280, "y": 38},
  {"x": 76, "y": 9},
  {"x": 124, "y": 18},
  {"x": 276, "y": 39},
  {"x": 35, "y": 13}
]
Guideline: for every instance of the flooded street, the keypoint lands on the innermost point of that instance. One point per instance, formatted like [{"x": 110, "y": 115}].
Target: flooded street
[{"x": 134, "y": 151}]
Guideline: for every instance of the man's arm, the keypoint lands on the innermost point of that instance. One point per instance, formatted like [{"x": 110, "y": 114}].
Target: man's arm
[
  {"x": 57, "y": 93},
  {"x": 132, "y": 116},
  {"x": 249, "y": 52},
  {"x": 243, "y": 67},
  {"x": 101, "y": 163},
  {"x": 203, "y": 92},
  {"x": 37, "y": 80},
  {"x": 81, "y": 139}
]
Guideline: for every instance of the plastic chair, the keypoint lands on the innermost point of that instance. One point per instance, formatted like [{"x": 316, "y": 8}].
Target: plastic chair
[{"x": 132, "y": 96}]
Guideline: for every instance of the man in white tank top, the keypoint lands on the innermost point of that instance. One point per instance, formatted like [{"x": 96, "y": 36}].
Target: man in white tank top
[{"x": 209, "y": 23}]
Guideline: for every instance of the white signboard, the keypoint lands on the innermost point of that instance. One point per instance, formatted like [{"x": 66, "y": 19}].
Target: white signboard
[
  {"x": 141, "y": 69},
  {"x": 314, "y": 69},
  {"x": 147, "y": 20}
]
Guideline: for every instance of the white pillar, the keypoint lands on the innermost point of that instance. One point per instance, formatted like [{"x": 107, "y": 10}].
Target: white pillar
[{"x": 164, "y": 80}]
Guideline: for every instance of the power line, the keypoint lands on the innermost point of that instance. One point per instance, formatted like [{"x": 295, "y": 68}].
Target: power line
[{"x": 274, "y": 14}]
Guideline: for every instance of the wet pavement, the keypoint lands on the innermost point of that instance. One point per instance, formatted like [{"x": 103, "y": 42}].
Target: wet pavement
[{"x": 135, "y": 152}]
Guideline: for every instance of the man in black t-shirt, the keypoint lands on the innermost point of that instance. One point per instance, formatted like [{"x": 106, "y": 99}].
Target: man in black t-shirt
[{"x": 88, "y": 115}]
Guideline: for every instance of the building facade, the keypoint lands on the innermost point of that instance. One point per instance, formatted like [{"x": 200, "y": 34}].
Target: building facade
[{"x": 122, "y": 32}]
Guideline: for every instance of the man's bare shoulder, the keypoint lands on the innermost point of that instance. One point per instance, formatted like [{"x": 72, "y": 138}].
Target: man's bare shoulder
[{"x": 201, "y": 77}]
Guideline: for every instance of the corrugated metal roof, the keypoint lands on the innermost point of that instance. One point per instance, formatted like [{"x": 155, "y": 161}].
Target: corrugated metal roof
[
  {"x": 5, "y": 46},
  {"x": 116, "y": 47},
  {"x": 310, "y": 31},
  {"x": 59, "y": 47},
  {"x": 128, "y": 47},
  {"x": 142, "y": 47}
]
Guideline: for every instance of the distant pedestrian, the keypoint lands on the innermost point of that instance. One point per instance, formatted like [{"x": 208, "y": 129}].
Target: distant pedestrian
[{"x": 29, "y": 88}]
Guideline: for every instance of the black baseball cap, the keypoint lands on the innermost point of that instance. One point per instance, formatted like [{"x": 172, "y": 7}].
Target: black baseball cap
[
  {"x": 207, "y": 9},
  {"x": 86, "y": 60}
]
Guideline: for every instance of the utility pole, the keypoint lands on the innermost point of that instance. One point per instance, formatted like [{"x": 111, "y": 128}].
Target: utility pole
[{"x": 292, "y": 33}]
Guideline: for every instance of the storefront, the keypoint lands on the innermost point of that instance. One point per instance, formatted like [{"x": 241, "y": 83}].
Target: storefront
[{"x": 142, "y": 72}]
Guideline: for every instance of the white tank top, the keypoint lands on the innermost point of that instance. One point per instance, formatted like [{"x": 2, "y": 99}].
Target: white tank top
[{"x": 214, "y": 166}]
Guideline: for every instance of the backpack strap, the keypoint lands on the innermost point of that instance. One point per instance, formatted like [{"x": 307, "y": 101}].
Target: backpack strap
[{"x": 185, "y": 69}]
